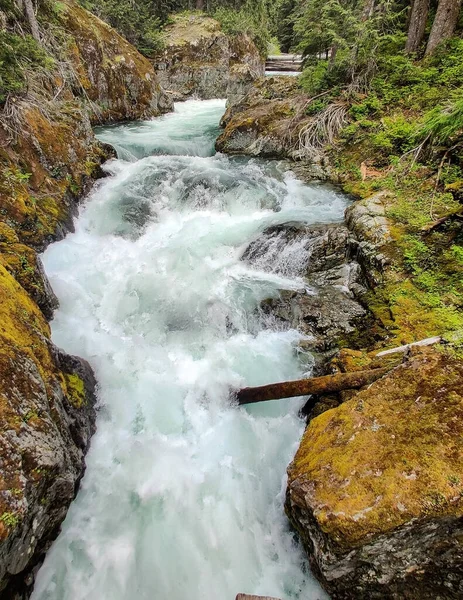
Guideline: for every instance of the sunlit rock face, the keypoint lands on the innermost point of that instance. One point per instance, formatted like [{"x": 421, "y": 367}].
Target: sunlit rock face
[
  {"x": 375, "y": 489},
  {"x": 200, "y": 61}
]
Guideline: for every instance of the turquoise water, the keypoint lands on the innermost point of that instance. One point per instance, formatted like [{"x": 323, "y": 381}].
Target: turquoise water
[{"x": 183, "y": 493}]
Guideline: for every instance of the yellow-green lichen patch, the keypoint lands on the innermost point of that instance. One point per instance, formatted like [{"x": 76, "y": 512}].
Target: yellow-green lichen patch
[
  {"x": 75, "y": 390},
  {"x": 7, "y": 234},
  {"x": 21, "y": 262},
  {"x": 24, "y": 335},
  {"x": 391, "y": 454}
]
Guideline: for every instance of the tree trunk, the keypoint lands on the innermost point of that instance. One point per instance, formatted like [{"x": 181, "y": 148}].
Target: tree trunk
[
  {"x": 31, "y": 19},
  {"x": 444, "y": 24},
  {"x": 316, "y": 385},
  {"x": 333, "y": 53},
  {"x": 417, "y": 25},
  {"x": 368, "y": 10},
  {"x": 199, "y": 4}
]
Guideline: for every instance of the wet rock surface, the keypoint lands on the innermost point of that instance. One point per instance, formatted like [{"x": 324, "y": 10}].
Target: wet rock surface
[
  {"x": 375, "y": 489},
  {"x": 47, "y": 412},
  {"x": 325, "y": 308},
  {"x": 201, "y": 61}
]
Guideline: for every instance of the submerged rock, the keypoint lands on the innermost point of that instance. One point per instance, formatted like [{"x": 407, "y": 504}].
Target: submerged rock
[
  {"x": 376, "y": 487},
  {"x": 201, "y": 61}
]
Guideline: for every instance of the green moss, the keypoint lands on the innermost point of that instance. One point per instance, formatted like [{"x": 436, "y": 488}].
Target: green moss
[
  {"x": 389, "y": 455},
  {"x": 10, "y": 519},
  {"x": 17, "y": 54},
  {"x": 75, "y": 390}
]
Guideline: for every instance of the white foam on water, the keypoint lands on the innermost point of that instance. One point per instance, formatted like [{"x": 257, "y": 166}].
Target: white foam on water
[{"x": 183, "y": 493}]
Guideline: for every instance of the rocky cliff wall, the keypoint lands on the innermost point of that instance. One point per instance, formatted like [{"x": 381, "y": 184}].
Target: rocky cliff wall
[
  {"x": 48, "y": 158},
  {"x": 201, "y": 61}
]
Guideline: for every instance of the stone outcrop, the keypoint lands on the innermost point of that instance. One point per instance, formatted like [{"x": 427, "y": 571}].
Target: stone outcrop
[
  {"x": 367, "y": 221},
  {"x": 262, "y": 122},
  {"x": 376, "y": 487},
  {"x": 48, "y": 416},
  {"x": 48, "y": 154},
  {"x": 48, "y": 159},
  {"x": 201, "y": 61}
]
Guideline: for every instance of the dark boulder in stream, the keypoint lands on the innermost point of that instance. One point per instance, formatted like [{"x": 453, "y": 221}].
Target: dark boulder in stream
[{"x": 326, "y": 307}]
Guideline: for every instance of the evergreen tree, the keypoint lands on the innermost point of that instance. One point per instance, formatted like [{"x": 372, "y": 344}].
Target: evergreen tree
[{"x": 417, "y": 24}]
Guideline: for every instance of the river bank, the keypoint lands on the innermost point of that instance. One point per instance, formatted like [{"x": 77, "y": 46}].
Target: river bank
[
  {"x": 48, "y": 160},
  {"x": 392, "y": 276},
  {"x": 346, "y": 510}
]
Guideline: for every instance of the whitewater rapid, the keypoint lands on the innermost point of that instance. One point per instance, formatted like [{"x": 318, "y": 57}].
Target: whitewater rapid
[{"x": 183, "y": 494}]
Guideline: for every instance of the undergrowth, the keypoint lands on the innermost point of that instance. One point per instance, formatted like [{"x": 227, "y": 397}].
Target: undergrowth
[{"x": 405, "y": 135}]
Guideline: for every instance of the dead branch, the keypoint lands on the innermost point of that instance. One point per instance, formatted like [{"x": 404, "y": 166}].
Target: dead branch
[
  {"x": 435, "y": 224},
  {"x": 322, "y": 129},
  {"x": 403, "y": 349}
]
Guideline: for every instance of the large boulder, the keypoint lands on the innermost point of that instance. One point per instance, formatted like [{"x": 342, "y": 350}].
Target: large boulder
[
  {"x": 199, "y": 60},
  {"x": 262, "y": 122},
  {"x": 376, "y": 487}
]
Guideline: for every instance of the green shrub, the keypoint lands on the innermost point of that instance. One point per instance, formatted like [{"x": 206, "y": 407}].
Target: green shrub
[
  {"x": 442, "y": 123},
  {"x": 371, "y": 105},
  {"x": 397, "y": 135},
  {"x": 17, "y": 54}
]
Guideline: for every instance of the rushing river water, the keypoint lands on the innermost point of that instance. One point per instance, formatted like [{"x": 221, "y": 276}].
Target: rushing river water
[{"x": 183, "y": 494}]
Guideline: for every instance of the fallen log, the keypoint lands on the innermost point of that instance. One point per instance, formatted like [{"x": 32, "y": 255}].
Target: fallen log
[
  {"x": 435, "y": 224},
  {"x": 315, "y": 385}
]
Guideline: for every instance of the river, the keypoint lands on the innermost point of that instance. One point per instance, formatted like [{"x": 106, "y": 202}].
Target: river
[{"x": 183, "y": 493}]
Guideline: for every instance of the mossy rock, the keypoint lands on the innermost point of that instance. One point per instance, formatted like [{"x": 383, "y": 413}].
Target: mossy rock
[{"x": 377, "y": 484}]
